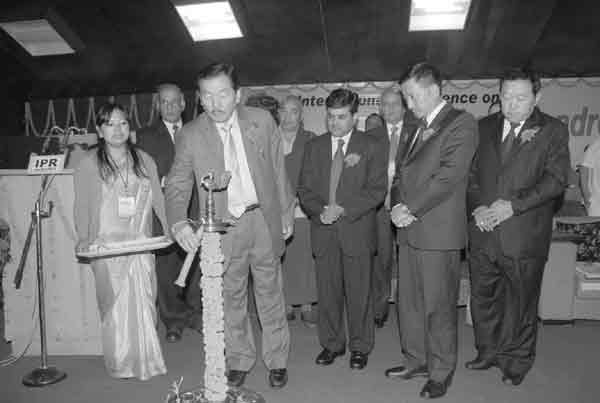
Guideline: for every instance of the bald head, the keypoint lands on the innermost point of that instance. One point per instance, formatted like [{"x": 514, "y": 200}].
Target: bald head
[
  {"x": 290, "y": 113},
  {"x": 171, "y": 102}
]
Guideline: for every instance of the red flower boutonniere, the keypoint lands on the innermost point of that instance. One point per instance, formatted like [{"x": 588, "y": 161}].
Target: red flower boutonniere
[
  {"x": 529, "y": 134},
  {"x": 351, "y": 159}
]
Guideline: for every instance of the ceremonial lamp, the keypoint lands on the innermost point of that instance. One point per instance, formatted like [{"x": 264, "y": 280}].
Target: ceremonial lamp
[{"x": 211, "y": 263}]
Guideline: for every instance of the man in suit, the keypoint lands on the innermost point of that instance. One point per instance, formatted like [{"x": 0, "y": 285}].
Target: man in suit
[
  {"x": 243, "y": 142},
  {"x": 429, "y": 200},
  {"x": 393, "y": 136},
  {"x": 178, "y": 308},
  {"x": 373, "y": 121},
  {"x": 520, "y": 169},
  {"x": 342, "y": 181}
]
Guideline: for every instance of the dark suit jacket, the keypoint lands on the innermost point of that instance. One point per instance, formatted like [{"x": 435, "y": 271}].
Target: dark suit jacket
[
  {"x": 408, "y": 130},
  {"x": 199, "y": 150},
  {"x": 293, "y": 161},
  {"x": 432, "y": 181},
  {"x": 156, "y": 141},
  {"x": 533, "y": 176},
  {"x": 361, "y": 189}
]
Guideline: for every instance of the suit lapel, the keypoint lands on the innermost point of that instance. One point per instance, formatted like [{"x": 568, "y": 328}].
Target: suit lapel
[
  {"x": 355, "y": 146},
  {"x": 497, "y": 135},
  {"x": 434, "y": 125},
  {"x": 252, "y": 147},
  {"x": 326, "y": 158},
  {"x": 535, "y": 119},
  {"x": 409, "y": 130},
  {"x": 214, "y": 144},
  {"x": 165, "y": 138}
]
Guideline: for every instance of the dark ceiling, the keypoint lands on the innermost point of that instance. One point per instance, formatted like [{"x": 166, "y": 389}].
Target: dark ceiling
[{"x": 132, "y": 45}]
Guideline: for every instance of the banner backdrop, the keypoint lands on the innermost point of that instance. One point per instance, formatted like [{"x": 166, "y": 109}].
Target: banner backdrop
[{"x": 576, "y": 101}]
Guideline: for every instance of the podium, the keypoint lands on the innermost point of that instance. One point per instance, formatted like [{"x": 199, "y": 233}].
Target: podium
[{"x": 72, "y": 319}]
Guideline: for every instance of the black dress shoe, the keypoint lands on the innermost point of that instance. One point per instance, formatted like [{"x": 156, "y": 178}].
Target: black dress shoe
[
  {"x": 407, "y": 372},
  {"x": 327, "y": 357},
  {"x": 358, "y": 360},
  {"x": 278, "y": 378},
  {"x": 173, "y": 335},
  {"x": 236, "y": 377},
  {"x": 480, "y": 363},
  {"x": 433, "y": 389},
  {"x": 512, "y": 379}
]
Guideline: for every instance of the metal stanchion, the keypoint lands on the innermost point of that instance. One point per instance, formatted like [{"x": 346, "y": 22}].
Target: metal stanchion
[{"x": 44, "y": 375}]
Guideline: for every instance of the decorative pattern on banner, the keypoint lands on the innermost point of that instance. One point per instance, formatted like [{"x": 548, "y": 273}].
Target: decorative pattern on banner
[{"x": 576, "y": 101}]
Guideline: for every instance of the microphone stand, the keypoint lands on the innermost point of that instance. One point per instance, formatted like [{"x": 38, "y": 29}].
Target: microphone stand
[{"x": 44, "y": 375}]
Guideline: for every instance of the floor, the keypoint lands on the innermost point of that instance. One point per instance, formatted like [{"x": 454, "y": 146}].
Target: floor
[{"x": 566, "y": 371}]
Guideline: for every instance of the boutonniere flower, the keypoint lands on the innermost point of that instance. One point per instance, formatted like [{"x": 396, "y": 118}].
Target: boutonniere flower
[
  {"x": 427, "y": 133},
  {"x": 529, "y": 134},
  {"x": 351, "y": 159}
]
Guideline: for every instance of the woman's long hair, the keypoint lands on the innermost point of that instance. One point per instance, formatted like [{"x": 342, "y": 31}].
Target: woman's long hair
[{"x": 106, "y": 165}]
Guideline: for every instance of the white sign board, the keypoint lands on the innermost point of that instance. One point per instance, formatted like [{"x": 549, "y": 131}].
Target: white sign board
[{"x": 46, "y": 164}]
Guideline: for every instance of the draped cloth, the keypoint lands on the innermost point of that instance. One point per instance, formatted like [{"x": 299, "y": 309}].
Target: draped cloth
[{"x": 126, "y": 288}]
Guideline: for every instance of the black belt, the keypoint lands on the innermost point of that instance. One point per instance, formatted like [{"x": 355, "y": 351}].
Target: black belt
[{"x": 251, "y": 207}]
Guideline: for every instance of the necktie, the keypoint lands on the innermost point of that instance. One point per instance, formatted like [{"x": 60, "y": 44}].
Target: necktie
[
  {"x": 175, "y": 129},
  {"x": 235, "y": 192},
  {"x": 336, "y": 170},
  {"x": 394, "y": 142},
  {"x": 509, "y": 140}
]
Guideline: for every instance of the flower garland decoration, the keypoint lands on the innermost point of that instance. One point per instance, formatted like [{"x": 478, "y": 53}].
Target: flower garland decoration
[{"x": 211, "y": 264}]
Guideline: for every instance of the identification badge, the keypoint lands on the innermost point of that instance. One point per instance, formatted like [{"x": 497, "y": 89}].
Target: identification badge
[{"x": 126, "y": 207}]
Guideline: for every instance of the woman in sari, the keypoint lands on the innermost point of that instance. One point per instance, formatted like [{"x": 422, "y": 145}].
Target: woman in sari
[{"x": 116, "y": 187}]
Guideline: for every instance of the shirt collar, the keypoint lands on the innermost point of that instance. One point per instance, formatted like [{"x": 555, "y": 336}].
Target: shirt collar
[
  {"x": 506, "y": 126},
  {"x": 228, "y": 123},
  {"x": 390, "y": 126},
  {"x": 170, "y": 125},
  {"x": 346, "y": 138},
  {"x": 432, "y": 115}
]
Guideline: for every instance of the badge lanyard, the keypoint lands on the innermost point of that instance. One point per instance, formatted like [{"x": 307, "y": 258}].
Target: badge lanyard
[{"x": 126, "y": 203}]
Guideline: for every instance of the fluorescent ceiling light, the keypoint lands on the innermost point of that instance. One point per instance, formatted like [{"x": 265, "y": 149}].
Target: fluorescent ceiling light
[
  {"x": 209, "y": 21},
  {"x": 38, "y": 37},
  {"x": 437, "y": 15}
]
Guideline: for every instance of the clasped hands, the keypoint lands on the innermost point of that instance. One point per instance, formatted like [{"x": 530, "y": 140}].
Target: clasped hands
[
  {"x": 487, "y": 218},
  {"x": 331, "y": 213},
  {"x": 401, "y": 216}
]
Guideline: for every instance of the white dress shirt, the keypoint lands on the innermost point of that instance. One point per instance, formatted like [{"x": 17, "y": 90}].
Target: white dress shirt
[
  {"x": 506, "y": 129},
  {"x": 170, "y": 125},
  {"x": 248, "y": 189}
]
